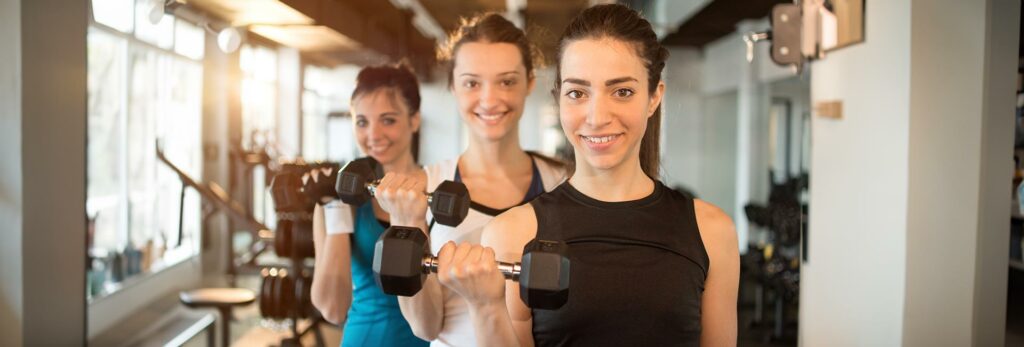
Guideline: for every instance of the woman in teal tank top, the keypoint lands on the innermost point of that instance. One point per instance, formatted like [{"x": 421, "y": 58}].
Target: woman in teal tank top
[{"x": 386, "y": 119}]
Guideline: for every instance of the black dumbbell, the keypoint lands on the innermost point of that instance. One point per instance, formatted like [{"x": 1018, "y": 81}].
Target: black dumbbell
[
  {"x": 294, "y": 237},
  {"x": 358, "y": 180},
  {"x": 402, "y": 260},
  {"x": 286, "y": 191},
  {"x": 282, "y": 294}
]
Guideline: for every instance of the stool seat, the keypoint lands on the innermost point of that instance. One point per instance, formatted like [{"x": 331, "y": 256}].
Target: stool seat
[
  {"x": 223, "y": 299},
  {"x": 216, "y": 297}
]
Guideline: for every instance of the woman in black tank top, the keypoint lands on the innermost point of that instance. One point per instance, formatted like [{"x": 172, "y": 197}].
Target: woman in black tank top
[{"x": 648, "y": 265}]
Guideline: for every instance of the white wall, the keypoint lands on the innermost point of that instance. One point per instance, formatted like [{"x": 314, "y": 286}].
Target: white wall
[
  {"x": 853, "y": 283},
  {"x": 11, "y": 308},
  {"x": 955, "y": 131},
  {"x": 682, "y": 122}
]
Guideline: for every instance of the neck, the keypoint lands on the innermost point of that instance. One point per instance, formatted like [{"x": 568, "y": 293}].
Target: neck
[
  {"x": 624, "y": 182},
  {"x": 503, "y": 155},
  {"x": 403, "y": 165}
]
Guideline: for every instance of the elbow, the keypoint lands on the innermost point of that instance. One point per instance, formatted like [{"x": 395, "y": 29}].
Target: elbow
[
  {"x": 330, "y": 307},
  {"x": 421, "y": 327},
  {"x": 332, "y": 312},
  {"x": 424, "y": 332}
]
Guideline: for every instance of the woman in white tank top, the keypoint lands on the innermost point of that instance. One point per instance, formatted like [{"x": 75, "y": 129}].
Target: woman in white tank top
[{"x": 491, "y": 74}]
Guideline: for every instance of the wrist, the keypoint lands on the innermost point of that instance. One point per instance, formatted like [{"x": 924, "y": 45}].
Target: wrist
[
  {"x": 488, "y": 308},
  {"x": 408, "y": 221}
]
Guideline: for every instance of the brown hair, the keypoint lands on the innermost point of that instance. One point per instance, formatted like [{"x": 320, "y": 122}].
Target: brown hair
[
  {"x": 622, "y": 23},
  {"x": 491, "y": 28},
  {"x": 398, "y": 78}
]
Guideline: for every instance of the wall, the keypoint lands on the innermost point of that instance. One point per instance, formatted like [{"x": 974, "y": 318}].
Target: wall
[
  {"x": 1002, "y": 20},
  {"x": 961, "y": 102},
  {"x": 53, "y": 90},
  {"x": 682, "y": 121},
  {"x": 11, "y": 308},
  {"x": 852, "y": 287}
]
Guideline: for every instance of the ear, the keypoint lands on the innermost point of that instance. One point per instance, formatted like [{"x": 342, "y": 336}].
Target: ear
[
  {"x": 415, "y": 120},
  {"x": 659, "y": 92}
]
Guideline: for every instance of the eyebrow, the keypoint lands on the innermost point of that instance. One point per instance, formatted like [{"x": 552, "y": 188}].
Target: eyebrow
[
  {"x": 360, "y": 115},
  {"x": 499, "y": 74},
  {"x": 610, "y": 82}
]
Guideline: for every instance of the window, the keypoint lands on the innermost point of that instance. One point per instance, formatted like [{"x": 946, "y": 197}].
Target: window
[
  {"x": 144, "y": 86},
  {"x": 327, "y": 91}
]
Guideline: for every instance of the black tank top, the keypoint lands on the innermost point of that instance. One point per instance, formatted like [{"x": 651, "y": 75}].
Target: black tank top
[{"x": 637, "y": 270}]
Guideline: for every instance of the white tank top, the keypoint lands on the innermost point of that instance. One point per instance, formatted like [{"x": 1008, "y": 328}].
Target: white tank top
[{"x": 457, "y": 329}]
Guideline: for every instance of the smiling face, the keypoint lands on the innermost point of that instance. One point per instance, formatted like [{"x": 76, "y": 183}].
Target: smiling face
[
  {"x": 604, "y": 101},
  {"x": 383, "y": 125},
  {"x": 491, "y": 85}
]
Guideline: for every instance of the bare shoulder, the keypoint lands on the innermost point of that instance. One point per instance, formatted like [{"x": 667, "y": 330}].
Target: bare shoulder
[
  {"x": 510, "y": 231},
  {"x": 716, "y": 228}
]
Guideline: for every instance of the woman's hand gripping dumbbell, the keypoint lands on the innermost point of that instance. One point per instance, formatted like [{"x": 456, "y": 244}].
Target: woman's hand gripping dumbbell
[
  {"x": 358, "y": 181},
  {"x": 402, "y": 261}
]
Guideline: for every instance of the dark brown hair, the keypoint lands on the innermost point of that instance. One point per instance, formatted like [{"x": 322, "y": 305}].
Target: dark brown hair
[
  {"x": 624, "y": 24},
  {"x": 490, "y": 28},
  {"x": 399, "y": 79}
]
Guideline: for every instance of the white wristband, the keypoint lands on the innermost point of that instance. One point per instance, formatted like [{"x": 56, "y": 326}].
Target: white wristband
[{"x": 338, "y": 218}]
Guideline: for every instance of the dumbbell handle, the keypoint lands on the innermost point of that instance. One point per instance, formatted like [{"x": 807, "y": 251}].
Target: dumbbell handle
[
  {"x": 372, "y": 187},
  {"x": 509, "y": 270}
]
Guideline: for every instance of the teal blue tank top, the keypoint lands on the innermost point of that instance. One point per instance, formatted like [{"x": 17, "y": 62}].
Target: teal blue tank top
[{"x": 374, "y": 318}]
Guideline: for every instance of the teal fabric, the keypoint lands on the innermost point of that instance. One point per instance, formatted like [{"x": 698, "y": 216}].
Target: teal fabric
[{"x": 374, "y": 318}]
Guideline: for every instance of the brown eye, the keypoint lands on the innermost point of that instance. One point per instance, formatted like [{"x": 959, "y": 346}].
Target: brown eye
[
  {"x": 574, "y": 94},
  {"x": 624, "y": 93}
]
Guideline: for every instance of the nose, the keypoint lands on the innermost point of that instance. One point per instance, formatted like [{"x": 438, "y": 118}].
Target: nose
[
  {"x": 374, "y": 130},
  {"x": 489, "y": 97},
  {"x": 598, "y": 114}
]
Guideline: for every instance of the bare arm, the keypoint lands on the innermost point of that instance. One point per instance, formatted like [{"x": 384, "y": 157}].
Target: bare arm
[
  {"x": 499, "y": 317},
  {"x": 425, "y": 310},
  {"x": 332, "y": 281},
  {"x": 401, "y": 196},
  {"x": 718, "y": 305}
]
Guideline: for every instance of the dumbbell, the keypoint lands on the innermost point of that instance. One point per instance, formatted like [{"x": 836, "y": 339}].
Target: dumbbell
[
  {"x": 358, "y": 180},
  {"x": 282, "y": 294},
  {"x": 294, "y": 237},
  {"x": 402, "y": 261}
]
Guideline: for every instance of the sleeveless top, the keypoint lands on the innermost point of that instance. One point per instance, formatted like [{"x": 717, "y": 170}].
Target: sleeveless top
[
  {"x": 637, "y": 270},
  {"x": 374, "y": 318},
  {"x": 457, "y": 329}
]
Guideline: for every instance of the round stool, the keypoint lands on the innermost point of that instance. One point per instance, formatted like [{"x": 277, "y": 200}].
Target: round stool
[{"x": 223, "y": 299}]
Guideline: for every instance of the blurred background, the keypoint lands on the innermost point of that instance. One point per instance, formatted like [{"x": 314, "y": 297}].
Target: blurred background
[{"x": 868, "y": 179}]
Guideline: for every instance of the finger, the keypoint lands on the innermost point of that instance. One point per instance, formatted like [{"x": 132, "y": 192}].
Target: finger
[
  {"x": 473, "y": 257},
  {"x": 444, "y": 260},
  {"x": 459, "y": 258}
]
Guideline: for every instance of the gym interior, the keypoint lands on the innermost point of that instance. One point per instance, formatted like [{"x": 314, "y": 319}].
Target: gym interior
[{"x": 866, "y": 151}]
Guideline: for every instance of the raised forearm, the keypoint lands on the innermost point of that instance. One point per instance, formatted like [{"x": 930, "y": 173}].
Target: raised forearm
[
  {"x": 332, "y": 281},
  {"x": 425, "y": 310}
]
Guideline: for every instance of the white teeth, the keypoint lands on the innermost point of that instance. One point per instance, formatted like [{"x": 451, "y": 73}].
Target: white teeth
[
  {"x": 601, "y": 139},
  {"x": 490, "y": 117}
]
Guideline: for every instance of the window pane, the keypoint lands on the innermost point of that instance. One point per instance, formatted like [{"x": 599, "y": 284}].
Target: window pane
[
  {"x": 160, "y": 34},
  {"x": 259, "y": 96},
  {"x": 116, "y": 14},
  {"x": 189, "y": 40},
  {"x": 106, "y": 77},
  {"x": 314, "y": 128},
  {"x": 143, "y": 107}
]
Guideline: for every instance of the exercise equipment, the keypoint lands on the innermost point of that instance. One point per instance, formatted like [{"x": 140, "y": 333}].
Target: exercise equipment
[
  {"x": 358, "y": 181},
  {"x": 402, "y": 260}
]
